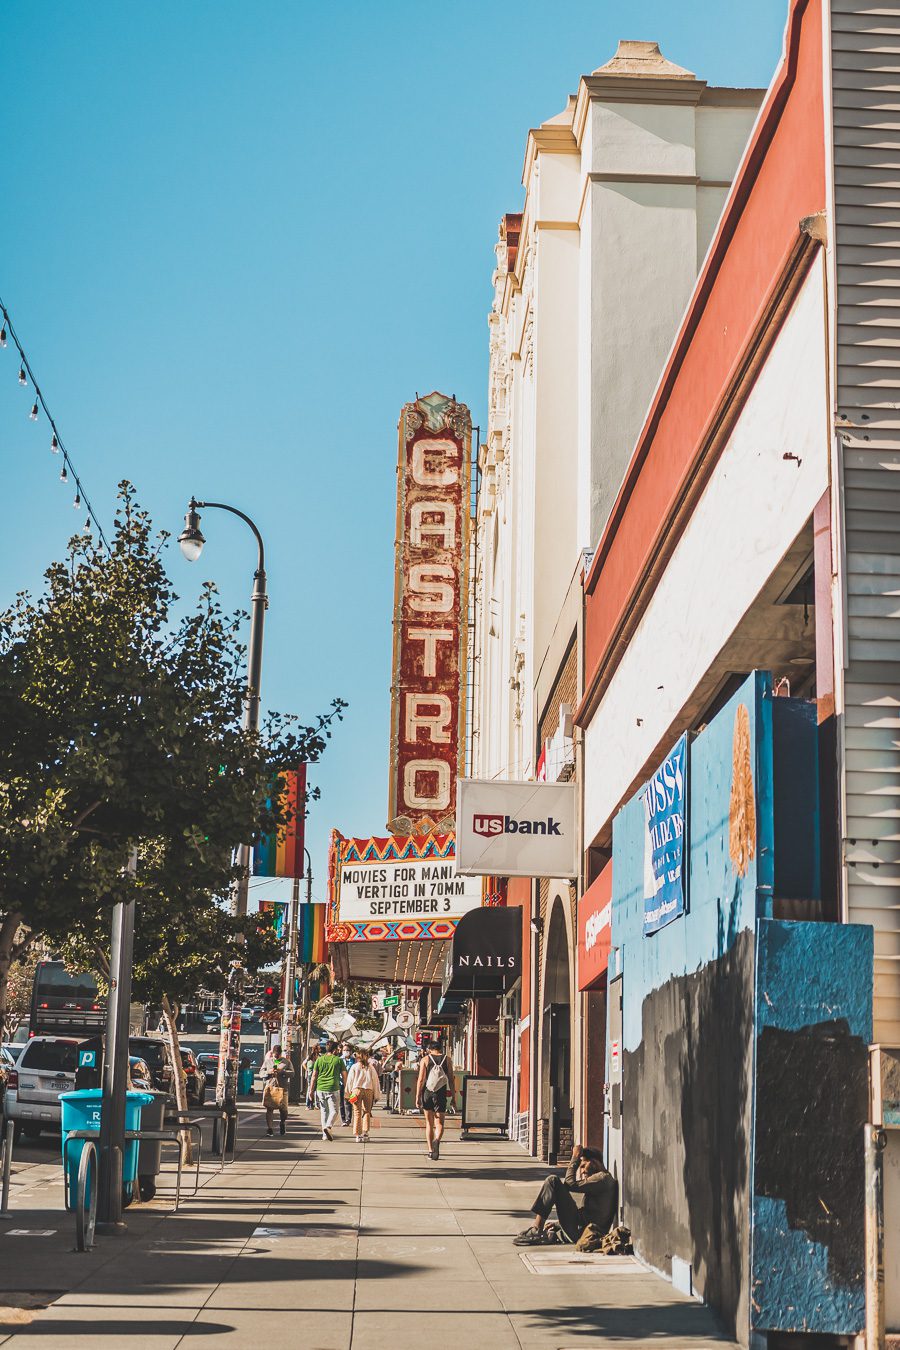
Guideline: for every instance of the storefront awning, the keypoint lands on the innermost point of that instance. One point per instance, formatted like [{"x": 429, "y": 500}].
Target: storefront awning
[
  {"x": 485, "y": 956},
  {"x": 448, "y": 1009}
]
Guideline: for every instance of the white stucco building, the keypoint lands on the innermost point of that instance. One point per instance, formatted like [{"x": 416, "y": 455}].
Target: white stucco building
[{"x": 623, "y": 190}]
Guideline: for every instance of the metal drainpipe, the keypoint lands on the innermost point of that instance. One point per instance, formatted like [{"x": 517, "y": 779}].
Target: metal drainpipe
[{"x": 875, "y": 1142}]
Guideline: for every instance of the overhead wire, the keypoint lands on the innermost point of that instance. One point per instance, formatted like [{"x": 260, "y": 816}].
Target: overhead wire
[{"x": 57, "y": 446}]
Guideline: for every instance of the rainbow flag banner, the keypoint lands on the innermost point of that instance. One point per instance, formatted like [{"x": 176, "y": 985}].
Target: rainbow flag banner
[
  {"x": 311, "y": 934},
  {"x": 281, "y": 855},
  {"x": 276, "y": 913}
]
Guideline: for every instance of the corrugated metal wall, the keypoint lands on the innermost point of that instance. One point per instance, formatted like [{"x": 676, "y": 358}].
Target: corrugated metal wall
[{"x": 865, "y": 52}]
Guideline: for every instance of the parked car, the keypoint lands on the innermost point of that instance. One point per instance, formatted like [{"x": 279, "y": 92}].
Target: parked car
[
  {"x": 141, "y": 1077},
  {"x": 13, "y": 1049},
  {"x": 155, "y": 1052},
  {"x": 7, "y": 1063},
  {"x": 45, "y": 1068},
  {"x": 210, "y": 1019},
  {"x": 209, "y": 1063},
  {"x": 196, "y": 1078}
]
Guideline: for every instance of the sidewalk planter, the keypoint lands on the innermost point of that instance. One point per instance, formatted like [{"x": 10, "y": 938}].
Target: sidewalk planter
[{"x": 82, "y": 1111}]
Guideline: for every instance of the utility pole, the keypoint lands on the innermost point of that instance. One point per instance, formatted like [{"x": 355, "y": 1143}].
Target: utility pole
[
  {"x": 290, "y": 956},
  {"x": 115, "y": 1066}
]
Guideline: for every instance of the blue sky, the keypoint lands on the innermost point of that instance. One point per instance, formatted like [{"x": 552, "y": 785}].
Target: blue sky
[{"x": 235, "y": 238}]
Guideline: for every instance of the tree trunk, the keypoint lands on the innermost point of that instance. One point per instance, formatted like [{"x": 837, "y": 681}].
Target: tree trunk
[
  {"x": 8, "y": 929},
  {"x": 170, "y": 1015}
]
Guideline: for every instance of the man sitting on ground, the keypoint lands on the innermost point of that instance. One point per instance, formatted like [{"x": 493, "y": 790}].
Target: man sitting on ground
[{"x": 588, "y": 1194}]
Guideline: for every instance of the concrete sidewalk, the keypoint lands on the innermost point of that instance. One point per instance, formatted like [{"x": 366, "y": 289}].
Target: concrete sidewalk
[{"x": 333, "y": 1247}]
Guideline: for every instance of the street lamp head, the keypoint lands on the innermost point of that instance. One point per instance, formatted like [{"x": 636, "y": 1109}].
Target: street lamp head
[{"x": 191, "y": 539}]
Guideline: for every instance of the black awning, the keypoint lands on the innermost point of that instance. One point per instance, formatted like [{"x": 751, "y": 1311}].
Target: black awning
[{"x": 485, "y": 959}]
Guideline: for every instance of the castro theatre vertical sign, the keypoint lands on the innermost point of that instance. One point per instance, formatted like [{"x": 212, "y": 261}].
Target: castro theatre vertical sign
[{"x": 430, "y": 615}]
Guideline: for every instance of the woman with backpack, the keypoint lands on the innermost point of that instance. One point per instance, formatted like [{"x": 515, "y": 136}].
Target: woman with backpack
[{"x": 435, "y": 1081}]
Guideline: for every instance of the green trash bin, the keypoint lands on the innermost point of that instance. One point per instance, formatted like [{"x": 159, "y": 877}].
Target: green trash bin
[
  {"x": 82, "y": 1111},
  {"x": 245, "y": 1082}
]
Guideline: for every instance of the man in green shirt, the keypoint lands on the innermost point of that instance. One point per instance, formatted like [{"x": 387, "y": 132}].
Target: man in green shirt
[{"x": 329, "y": 1075}]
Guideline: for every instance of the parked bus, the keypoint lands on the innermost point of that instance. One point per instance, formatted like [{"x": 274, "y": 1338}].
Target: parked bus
[{"x": 65, "y": 1004}]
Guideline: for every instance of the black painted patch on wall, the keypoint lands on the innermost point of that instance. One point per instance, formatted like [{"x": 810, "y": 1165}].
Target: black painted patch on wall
[
  {"x": 812, "y": 1104},
  {"x": 686, "y": 1127}
]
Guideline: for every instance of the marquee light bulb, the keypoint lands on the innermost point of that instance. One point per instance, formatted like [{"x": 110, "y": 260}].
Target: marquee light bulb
[
  {"x": 3, "y": 336},
  {"x": 34, "y": 411},
  {"x": 77, "y": 501},
  {"x": 54, "y": 444},
  {"x": 23, "y": 378},
  {"x": 63, "y": 473}
]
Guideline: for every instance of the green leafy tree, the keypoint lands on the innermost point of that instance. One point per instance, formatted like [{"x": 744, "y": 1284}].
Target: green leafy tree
[
  {"x": 121, "y": 729},
  {"x": 182, "y": 942}
]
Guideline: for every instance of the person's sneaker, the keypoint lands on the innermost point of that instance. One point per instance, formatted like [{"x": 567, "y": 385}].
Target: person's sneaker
[
  {"x": 270, "y": 1132},
  {"x": 365, "y": 1137},
  {"x": 436, "y": 1150},
  {"x": 529, "y": 1237},
  {"x": 326, "y": 1134}
]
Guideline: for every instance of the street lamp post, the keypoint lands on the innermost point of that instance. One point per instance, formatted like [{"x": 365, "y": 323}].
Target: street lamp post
[{"x": 191, "y": 541}]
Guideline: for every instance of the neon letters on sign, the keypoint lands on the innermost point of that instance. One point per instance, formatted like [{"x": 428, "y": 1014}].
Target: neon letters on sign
[{"x": 430, "y": 629}]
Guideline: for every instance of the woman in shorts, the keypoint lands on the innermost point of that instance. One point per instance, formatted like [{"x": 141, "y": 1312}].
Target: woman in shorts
[{"x": 434, "y": 1084}]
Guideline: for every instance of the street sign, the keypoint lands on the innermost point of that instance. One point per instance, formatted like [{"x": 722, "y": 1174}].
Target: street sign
[{"x": 392, "y": 1001}]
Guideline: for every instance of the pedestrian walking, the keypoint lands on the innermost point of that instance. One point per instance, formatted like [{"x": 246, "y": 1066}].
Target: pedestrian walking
[
  {"x": 587, "y": 1194},
  {"x": 363, "y": 1090},
  {"x": 328, "y": 1078},
  {"x": 434, "y": 1083},
  {"x": 349, "y": 1059},
  {"x": 276, "y": 1073},
  {"x": 308, "y": 1066}
]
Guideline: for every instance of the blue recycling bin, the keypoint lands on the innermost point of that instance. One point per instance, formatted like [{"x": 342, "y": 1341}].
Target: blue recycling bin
[
  {"x": 245, "y": 1082},
  {"x": 81, "y": 1111}
]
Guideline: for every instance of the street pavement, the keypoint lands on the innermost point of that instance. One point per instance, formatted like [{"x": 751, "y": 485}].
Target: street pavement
[{"x": 333, "y": 1247}]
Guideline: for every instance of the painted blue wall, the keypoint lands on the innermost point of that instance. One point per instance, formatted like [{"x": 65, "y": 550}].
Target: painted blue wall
[
  {"x": 720, "y": 903},
  {"x": 813, "y": 1026},
  {"x": 744, "y": 1046}
]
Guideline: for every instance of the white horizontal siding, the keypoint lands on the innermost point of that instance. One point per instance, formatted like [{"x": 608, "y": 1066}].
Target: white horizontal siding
[{"x": 865, "y": 61}]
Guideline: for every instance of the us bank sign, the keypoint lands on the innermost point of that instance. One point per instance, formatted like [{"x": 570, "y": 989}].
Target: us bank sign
[
  {"x": 430, "y": 614},
  {"x": 516, "y": 829}
]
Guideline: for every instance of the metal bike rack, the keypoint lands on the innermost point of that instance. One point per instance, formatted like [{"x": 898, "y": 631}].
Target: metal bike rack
[
  {"x": 86, "y": 1185},
  {"x": 90, "y": 1139},
  {"x": 7, "y": 1148}
]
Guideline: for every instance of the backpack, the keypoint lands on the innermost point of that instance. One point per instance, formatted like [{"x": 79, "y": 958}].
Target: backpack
[{"x": 437, "y": 1079}]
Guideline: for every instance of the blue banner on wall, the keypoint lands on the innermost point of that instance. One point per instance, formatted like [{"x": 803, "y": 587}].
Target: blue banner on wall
[{"x": 665, "y": 814}]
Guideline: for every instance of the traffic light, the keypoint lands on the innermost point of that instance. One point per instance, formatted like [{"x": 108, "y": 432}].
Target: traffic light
[{"x": 270, "y": 997}]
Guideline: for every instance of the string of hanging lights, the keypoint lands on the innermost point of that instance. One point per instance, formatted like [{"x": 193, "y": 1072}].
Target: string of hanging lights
[{"x": 67, "y": 470}]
